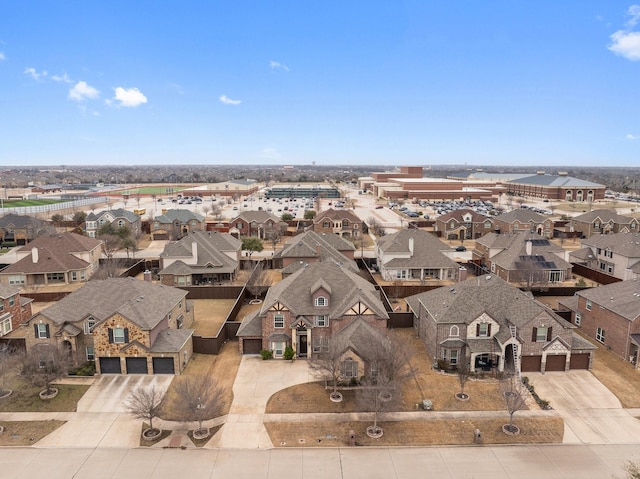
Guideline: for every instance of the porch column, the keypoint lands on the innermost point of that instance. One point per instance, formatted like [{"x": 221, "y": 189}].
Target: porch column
[
  {"x": 309, "y": 347},
  {"x": 472, "y": 364}
]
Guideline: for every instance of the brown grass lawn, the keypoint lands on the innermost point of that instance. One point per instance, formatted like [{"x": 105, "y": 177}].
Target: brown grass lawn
[
  {"x": 210, "y": 315},
  {"x": 618, "y": 376},
  {"x": 25, "y": 397},
  {"x": 221, "y": 368},
  {"x": 416, "y": 433},
  {"x": 26, "y": 433}
]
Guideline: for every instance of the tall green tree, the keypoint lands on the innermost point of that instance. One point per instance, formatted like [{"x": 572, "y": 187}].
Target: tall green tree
[{"x": 252, "y": 244}]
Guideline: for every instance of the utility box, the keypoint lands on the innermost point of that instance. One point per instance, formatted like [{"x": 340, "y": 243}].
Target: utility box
[{"x": 427, "y": 405}]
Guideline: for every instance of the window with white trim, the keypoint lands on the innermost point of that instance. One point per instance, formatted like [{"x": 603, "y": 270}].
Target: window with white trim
[
  {"x": 118, "y": 335},
  {"x": 278, "y": 349},
  {"x": 541, "y": 334},
  {"x": 578, "y": 319},
  {"x": 12, "y": 301},
  {"x": 600, "y": 335},
  {"x": 483, "y": 329},
  {"x": 278, "y": 320},
  {"x": 454, "y": 331},
  {"x": 321, "y": 321},
  {"x": 349, "y": 368},
  {"x": 5, "y": 325},
  {"x": 89, "y": 324},
  {"x": 90, "y": 354},
  {"x": 453, "y": 357},
  {"x": 322, "y": 301},
  {"x": 588, "y": 305},
  {"x": 42, "y": 331},
  {"x": 320, "y": 344}
]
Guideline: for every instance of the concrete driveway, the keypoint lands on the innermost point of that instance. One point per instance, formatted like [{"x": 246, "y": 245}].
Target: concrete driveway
[
  {"x": 591, "y": 413},
  {"x": 102, "y": 420}
]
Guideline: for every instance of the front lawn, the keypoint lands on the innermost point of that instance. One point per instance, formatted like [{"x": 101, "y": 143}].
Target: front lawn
[
  {"x": 25, "y": 397},
  {"x": 26, "y": 433}
]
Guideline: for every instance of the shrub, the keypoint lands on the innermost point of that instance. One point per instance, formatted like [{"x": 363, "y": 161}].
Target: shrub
[
  {"x": 86, "y": 369},
  {"x": 443, "y": 365},
  {"x": 266, "y": 354},
  {"x": 289, "y": 353}
]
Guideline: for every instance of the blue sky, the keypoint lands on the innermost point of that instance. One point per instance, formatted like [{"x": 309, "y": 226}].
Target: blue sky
[{"x": 419, "y": 82}]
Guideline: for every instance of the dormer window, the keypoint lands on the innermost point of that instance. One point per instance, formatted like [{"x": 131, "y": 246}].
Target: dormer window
[
  {"x": 483, "y": 330},
  {"x": 454, "y": 331},
  {"x": 322, "y": 301},
  {"x": 89, "y": 324}
]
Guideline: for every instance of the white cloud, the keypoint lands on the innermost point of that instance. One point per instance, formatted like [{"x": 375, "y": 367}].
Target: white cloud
[
  {"x": 228, "y": 101},
  {"x": 626, "y": 44},
  {"x": 2, "y": 56},
  {"x": 62, "y": 78},
  {"x": 634, "y": 13},
  {"x": 33, "y": 73},
  {"x": 128, "y": 97},
  {"x": 81, "y": 91},
  {"x": 274, "y": 65},
  {"x": 632, "y": 137}
]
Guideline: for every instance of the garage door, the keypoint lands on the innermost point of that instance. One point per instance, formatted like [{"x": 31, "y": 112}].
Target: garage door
[
  {"x": 160, "y": 236},
  {"x": 556, "y": 363},
  {"x": 163, "y": 366},
  {"x": 579, "y": 361},
  {"x": 251, "y": 346},
  {"x": 110, "y": 366},
  {"x": 531, "y": 363},
  {"x": 137, "y": 366}
]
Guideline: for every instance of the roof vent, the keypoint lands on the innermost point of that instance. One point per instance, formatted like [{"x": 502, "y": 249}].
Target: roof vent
[{"x": 488, "y": 277}]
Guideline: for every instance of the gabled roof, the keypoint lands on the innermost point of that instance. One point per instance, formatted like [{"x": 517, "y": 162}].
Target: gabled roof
[
  {"x": 622, "y": 298},
  {"x": 337, "y": 214},
  {"x": 171, "y": 340},
  {"x": 604, "y": 216},
  {"x": 544, "y": 254},
  {"x": 20, "y": 221},
  {"x": 257, "y": 216},
  {"x": 251, "y": 325},
  {"x": 555, "y": 180},
  {"x": 8, "y": 290},
  {"x": 325, "y": 246},
  {"x": 55, "y": 254},
  {"x": 582, "y": 254},
  {"x": 347, "y": 287},
  {"x": 466, "y": 301},
  {"x": 141, "y": 302},
  {"x": 360, "y": 337},
  {"x": 183, "y": 216},
  {"x": 114, "y": 214},
  {"x": 210, "y": 247},
  {"x": 426, "y": 250},
  {"x": 458, "y": 215},
  {"x": 521, "y": 215},
  {"x": 624, "y": 244}
]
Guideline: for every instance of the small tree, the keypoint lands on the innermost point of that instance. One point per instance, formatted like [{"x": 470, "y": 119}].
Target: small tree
[
  {"x": 44, "y": 364},
  {"x": 326, "y": 366},
  {"x": 286, "y": 217},
  {"x": 463, "y": 376},
  {"x": 377, "y": 395},
  {"x": 514, "y": 394},
  {"x": 252, "y": 244},
  {"x": 145, "y": 403},
  {"x": 79, "y": 217},
  {"x": 309, "y": 214},
  {"x": 258, "y": 281},
  {"x": 56, "y": 219},
  {"x": 199, "y": 399}
]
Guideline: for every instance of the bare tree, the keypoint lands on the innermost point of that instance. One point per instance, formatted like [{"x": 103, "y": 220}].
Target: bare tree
[
  {"x": 145, "y": 403},
  {"x": 274, "y": 236},
  {"x": 463, "y": 376},
  {"x": 199, "y": 399},
  {"x": 378, "y": 394},
  {"x": 8, "y": 360},
  {"x": 326, "y": 366},
  {"x": 514, "y": 394},
  {"x": 375, "y": 227},
  {"x": 44, "y": 363},
  {"x": 258, "y": 281}
]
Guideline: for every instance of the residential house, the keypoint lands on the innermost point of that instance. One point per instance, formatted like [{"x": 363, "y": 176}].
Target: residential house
[
  {"x": 119, "y": 218},
  {"x": 414, "y": 254},
  {"x": 21, "y": 229},
  {"x": 603, "y": 222},
  {"x": 200, "y": 258},
  {"x": 62, "y": 259},
  {"x": 610, "y": 314},
  {"x": 14, "y": 309},
  {"x": 261, "y": 224},
  {"x": 312, "y": 247},
  {"x": 342, "y": 222},
  {"x": 524, "y": 258},
  {"x": 174, "y": 224},
  {"x": 616, "y": 254},
  {"x": 463, "y": 224},
  {"x": 524, "y": 220},
  {"x": 125, "y": 325},
  {"x": 487, "y": 323},
  {"x": 314, "y": 306}
]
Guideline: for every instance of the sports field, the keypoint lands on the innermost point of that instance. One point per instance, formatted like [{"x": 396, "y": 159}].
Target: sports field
[
  {"x": 150, "y": 190},
  {"x": 21, "y": 203}
]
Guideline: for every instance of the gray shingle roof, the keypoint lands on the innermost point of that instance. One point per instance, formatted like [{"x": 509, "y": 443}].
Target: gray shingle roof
[
  {"x": 426, "y": 250},
  {"x": 604, "y": 216},
  {"x": 210, "y": 248},
  {"x": 521, "y": 215},
  {"x": 171, "y": 340},
  {"x": 359, "y": 337},
  {"x": 335, "y": 214},
  {"x": 130, "y": 216},
  {"x": 251, "y": 325},
  {"x": 20, "y": 221},
  {"x": 183, "y": 216},
  {"x": 141, "y": 302},
  {"x": 544, "y": 255},
  {"x": 327, "y": 247},
  {"x": 622, "y": 298},
  {"x": 257, "y": 216},
  {"x": 624, "y": 244},
  {"x": 459, "y": 214},
  {"x": 7, "y": 290},
  {"x": 555, "y": 180}
]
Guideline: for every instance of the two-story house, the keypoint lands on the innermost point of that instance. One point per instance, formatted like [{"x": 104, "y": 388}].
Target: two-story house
[
  {"x": 342, "y": 222},
  {"x": 21, "y": 229},
  {"x": 603, "y": 222},
  {"x": 320, "y": 303},
  {"x": 201, "y": 258},
  {"x": 14, "y": 309},
  {"x": 414, "y": 254},
  {"x": 523, "y": 220},
  {"x": 62, "y": 259},
  {"x": 488, "y": 323},
  {"x": 463, "y": 224},
  {"x": 125, "y": 325},
  {"x": 174, "y": 224},
  {"x": 616, "y": 254},
  {"x": 261, "y": 224},
  {"x": 118, "y": 217},
  {"x": 523, "y": 258}
]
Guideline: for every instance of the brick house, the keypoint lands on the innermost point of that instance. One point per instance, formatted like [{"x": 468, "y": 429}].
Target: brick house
[
  {"x": 616, "y": 254},
  {"x": 414, "y": 254},
  {"x": 14, "y": 309},
  {"x": 523, "y": 258},
  {"x": 312, "y": 307},
  {"x": 125, "y": 325},
  {"x": 523, "y": 220},
  {"x": 463, "y": 224},
  {"x": 342, "y": 222},
  {"x": 489, "y": 323},
  {"x": 611, "y": 315},
  {"x": 62, "y": 259},
  {"x": 174, "y": 224},
  {"x": 603, "y": 222},
  {"x": 261, "y": 224},
  {"x": 117, "y": 217},
  {"x": 21, "y": 229},
  {"x": 200, "y": 258}
]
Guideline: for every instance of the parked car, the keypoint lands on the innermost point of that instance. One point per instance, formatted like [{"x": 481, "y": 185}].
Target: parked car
[{"x": 461, "y": 248}]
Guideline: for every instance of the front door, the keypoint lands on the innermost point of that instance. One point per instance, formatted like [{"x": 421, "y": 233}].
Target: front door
[{"x": 302, "y": 345}]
